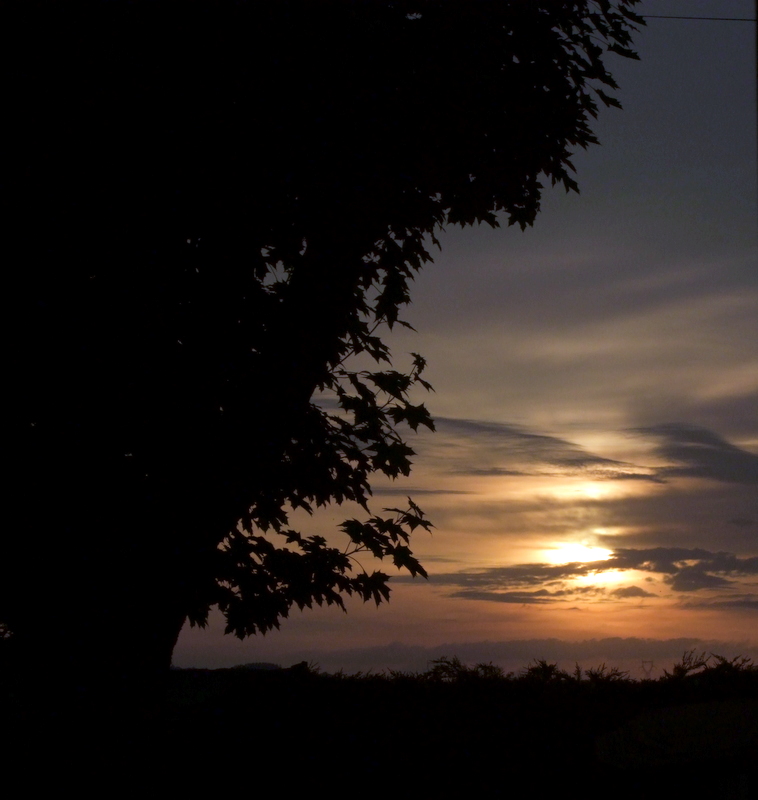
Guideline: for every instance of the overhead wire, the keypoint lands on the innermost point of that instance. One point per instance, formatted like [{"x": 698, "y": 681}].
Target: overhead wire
[{"x": 707, "y": 19}]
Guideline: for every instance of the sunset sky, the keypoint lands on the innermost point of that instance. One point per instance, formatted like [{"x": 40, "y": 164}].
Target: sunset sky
[{"x": 593, "y": 480}]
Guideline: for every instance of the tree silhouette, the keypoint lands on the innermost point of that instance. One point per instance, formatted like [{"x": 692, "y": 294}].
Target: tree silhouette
[{"x": 212, "y": 207}]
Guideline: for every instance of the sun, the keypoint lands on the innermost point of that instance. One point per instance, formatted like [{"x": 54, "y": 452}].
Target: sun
[
  {"x": 571, "y": 552},
  {"x": 594, "y": 491}
]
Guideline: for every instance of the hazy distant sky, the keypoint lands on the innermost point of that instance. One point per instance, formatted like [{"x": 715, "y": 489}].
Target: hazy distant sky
[{"x": 595, "y": 469}]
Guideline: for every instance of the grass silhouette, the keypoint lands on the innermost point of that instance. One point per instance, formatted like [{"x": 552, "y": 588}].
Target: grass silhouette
[{"x": 452, "y": 728}]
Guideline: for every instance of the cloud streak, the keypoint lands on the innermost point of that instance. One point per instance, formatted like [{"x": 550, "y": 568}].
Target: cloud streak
[
  {"x": 485, "y": 449},
  {"x": 492, "y": 449},
  {"x": 700, "y": 453},
  {"x": 683, "y": 570},
  {"x": 631, "y": 591}
]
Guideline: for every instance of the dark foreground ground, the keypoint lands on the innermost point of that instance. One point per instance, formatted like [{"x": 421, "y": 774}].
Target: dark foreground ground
[{"x": 449, "y": 732}]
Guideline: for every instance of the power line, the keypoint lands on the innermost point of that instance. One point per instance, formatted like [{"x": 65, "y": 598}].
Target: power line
[{"x": 707, "y": 19}]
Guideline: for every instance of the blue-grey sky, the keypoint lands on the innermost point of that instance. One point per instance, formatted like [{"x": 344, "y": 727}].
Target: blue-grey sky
[{"x": 594, "y": 475}]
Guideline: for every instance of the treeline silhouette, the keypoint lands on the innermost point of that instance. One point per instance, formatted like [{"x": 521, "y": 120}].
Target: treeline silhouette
[{"x": 451, "y": 729}]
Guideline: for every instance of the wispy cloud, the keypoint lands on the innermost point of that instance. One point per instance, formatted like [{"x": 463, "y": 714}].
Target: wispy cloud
[
  {"x": 747, "y": 602},
  {"x": 538, "y": 596},
  {"x": 393, "y": 491},
  {"x": 518, "y": 575},
  {"x": 692, "y": 579},
  {"x": 483, "y": 448},
  {"x": 674, "y": 560},
  {"x": 700, "y": 453},
  {"x": 631, "y": 591},
  {"x": 742, "y": 522},
  {"x": 683, "y": 570},
  {"x": 520, "y": 598}
]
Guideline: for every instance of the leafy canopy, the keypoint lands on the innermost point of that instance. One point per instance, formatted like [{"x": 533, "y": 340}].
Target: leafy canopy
[
  {"x": 408, "y": 116},
  {"x": 235, "y": 202}
]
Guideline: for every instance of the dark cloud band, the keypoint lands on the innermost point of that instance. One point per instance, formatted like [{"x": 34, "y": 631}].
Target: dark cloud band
[{"x": 683, "y": 570}]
